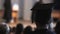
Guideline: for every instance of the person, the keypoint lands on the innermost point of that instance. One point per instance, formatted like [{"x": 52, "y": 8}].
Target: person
[
  {"x": 2, "y": 31},
  {"x": 7, "y": 11},
  {"x": 57, "y": 9},
  {"x": 19, "y": 29},
  {"x": 57, "y": 28},
  {"x": 42, "y": 11},
  {"x": 4, "y": 28},
  {"x": 12, "y": 30},
  {"x": 28, "y": 30}
]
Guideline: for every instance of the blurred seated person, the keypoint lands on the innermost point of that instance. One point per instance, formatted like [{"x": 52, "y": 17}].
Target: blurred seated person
[
  {"x": 57, "y": 28},
  {"x": 19, "y": 28},
  {"x": 12, "y": 30},
  {"x": 4, "y": 28},
  {"x": 28, "y": 30}
]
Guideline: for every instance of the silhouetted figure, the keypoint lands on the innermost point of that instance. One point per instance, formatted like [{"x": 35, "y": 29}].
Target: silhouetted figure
[
  {"x": 42, "y": 12},
  {"x": 42, "y": 16},
  {"x": 7, "y": 10},
  {"x": 13, "y": 30},
  {"x": 57, "y": 28},
  {"x": 4, "y": 28},
  {"x": 19, "y": 29},
  {"x": 28, "y": 30}
]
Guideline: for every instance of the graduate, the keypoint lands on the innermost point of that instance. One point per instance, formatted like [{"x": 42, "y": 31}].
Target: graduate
[
  {"x": 7, "y": 11},
  {"x": 41, "y": 12}
]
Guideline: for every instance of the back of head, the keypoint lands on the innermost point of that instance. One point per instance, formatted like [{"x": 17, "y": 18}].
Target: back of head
[
  {"x": 19, "y": 28},
  {"x": 3, "y": 29},
  {"x": 27, "y": 30},
  {"x": 13, "y": 29}
]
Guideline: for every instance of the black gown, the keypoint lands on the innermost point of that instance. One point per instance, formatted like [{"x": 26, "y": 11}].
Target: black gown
[{"x": 7, "y": 12}]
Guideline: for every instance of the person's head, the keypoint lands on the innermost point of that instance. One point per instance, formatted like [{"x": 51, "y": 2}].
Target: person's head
[
  {"x": 19, "y": 28},
  {"x": 4, "y": 29},
  {"x": 27, "y": 30},
  {"x": 13, "y": 29}
]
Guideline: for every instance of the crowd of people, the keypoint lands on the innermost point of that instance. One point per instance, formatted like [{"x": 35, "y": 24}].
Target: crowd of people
[
  {"x": 41, "y": 15},
  {"x": 19, "y": 29}
]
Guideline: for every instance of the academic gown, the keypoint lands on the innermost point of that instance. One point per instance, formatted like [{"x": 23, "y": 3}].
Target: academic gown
[{"x": 7, "y": 12}]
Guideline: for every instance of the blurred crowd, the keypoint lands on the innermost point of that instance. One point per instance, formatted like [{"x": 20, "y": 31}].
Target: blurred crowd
[{"x": 19, "y": 29}]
